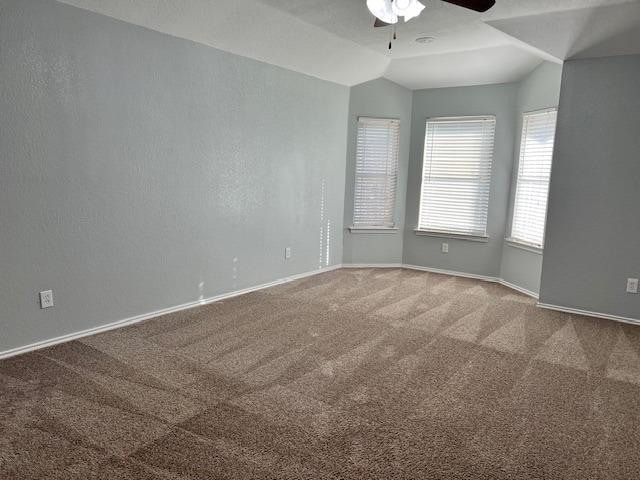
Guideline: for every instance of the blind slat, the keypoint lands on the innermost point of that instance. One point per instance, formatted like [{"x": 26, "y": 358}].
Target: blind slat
[
  {"x": 534, "y": 173},
  {"x": 456, "y": 175},
  {"x": 377, "y": 148}
]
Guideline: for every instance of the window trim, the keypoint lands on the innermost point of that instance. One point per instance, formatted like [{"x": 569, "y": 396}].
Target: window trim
[
  {"x": 364, "y": 229},
  {"x": 457, "y": 236},
  {"x": 354, "y": 229},
  {"x": 451, "y": 234},
  {"x": 515, "y": 241},
  {"x": 529, "y": 247}
]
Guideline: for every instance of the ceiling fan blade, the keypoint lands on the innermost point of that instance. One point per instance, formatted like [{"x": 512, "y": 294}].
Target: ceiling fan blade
[
  {"x": 476, "y": 5},
  {"x": 380, "y": 23}
]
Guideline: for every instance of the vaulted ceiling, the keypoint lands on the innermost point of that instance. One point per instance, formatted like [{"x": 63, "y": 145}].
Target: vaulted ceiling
[{"x": 335, "y": 39}]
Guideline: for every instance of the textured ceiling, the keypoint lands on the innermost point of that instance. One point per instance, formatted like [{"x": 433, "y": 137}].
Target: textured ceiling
[
  {"x": 455, "y": 28},
  {"x": 335, "y": 39},
  {"x": 501, "y": 64},
  {"x": 587, "y": 32}
]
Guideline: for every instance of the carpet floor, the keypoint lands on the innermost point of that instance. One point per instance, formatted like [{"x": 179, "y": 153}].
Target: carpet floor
[{"x": 364, "y": 373}]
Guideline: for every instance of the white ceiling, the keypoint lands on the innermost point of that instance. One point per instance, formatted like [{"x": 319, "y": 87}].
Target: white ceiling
[
  {"x": 613, "y": 29},
  {"x": 500, "y": 64},
  {"x": 335, "y": 39}
]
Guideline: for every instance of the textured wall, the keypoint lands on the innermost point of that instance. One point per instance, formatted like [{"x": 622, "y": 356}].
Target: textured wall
[
  {"x": 593, "y": 223},
  {"x": 464, "y": 256},
  {"x": 539, "y": 90},
  {"x": 378, "y": 98},
  {"x": 255, "y": 29},
  {"x": 139, "y": 171}
]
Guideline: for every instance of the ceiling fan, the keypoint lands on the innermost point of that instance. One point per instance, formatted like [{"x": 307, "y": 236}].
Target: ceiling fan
[{"x": 388, "y": 11}]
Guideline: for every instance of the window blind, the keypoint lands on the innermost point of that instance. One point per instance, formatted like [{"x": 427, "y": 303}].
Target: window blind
[
  {"x": 376, "y": 172},
  {"x": 456, "y": 175},
  {"x": 534, "y": 173}
]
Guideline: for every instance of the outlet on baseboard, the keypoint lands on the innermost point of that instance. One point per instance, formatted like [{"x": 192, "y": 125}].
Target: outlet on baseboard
[
  {"x": 445, "y": 248},
  {"x": 287, "y": 252},
  {"x": 46, "y": 299},
  {"x": 632, "y": 285}
]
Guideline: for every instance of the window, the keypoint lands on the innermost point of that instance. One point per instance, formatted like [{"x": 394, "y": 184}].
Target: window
[
  {"x": 456, "y": 175},
  {"x": 534, "y": 173},
  {"x": 376, "y": 172}
]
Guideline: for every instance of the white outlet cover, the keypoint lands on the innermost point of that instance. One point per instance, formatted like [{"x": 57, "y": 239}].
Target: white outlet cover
[
  {"x": 445, "y": 248},
  {"x": 632, "y": 285},
  {"x": 46, "y": 299},
  {"x": 287, "y": 252}
]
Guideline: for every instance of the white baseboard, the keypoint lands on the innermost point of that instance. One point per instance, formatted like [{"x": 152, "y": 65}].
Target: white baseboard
[
  {"x": 518, "y": 288},
  {"x": 475, "y": 276},
  {"x": 157, "y": 313},
  {"x": 588, "y": 313},
  {"x": 139, "y": 318},
  {"x": 444, "y": 272},
  {"x": 452, "y": 273},
  {"x": 373, "y": 265},
  {"x": 501, "y": 281}
]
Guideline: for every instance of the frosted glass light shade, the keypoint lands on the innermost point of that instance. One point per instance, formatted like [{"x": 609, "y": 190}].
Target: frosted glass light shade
[
  {"x": 407, "y": 8},
  {"x": 383, "y": 10}
]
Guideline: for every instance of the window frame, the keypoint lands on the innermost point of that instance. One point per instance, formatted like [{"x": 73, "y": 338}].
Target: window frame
[
  {"x": 454, "y": 234},
  {"x": 512, "y": 240},
  {"x": 358, "y": 227}
]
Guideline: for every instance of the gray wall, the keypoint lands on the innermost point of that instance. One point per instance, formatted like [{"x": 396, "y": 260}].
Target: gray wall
[
  {"x": 464, "y": 255},
  {"x": 539, "y": 90},
  {"x": 139, "y": 171},
  {"x": 593, "y": 224},
  {"x": 377, "y": 98}
]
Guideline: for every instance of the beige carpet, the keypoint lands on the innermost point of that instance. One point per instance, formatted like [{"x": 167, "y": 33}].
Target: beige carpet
[{"x": 365, "y": 373}]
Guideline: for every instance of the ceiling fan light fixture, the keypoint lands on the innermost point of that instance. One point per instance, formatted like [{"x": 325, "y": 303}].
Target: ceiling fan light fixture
[
  {"x": 383, "y": 10},
  {"x": 401, "y": 5},
  {"x": 407, "y": 8}
]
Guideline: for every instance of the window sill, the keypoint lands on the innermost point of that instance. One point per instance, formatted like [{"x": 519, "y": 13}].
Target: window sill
[
  {"x": 353, "y": 229},
  {"x": 471, "y": 238},
  {"x": 523, "y": 246}
]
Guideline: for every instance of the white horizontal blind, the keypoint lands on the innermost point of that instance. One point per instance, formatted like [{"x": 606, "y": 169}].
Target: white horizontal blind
[
  {"x": 376, "y": 172},
  {"x": 456, "y": 175},
  {"x": 534, "y": 173}
]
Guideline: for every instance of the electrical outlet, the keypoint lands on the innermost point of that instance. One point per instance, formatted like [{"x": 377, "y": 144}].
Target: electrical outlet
[
  {"x": 445, "y": 248},
  {"x": 46, "y": 299},
  {"x": 287, "y": 252},
  {"x": 632, "y": 285}
]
